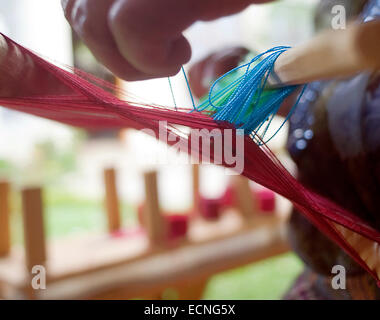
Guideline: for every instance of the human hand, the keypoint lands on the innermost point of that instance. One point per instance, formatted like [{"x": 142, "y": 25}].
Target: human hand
[
  {"x": 204, "y": 72},
  {"x": 142, "y": 39}
]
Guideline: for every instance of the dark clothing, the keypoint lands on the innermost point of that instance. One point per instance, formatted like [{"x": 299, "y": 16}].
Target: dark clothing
[{"x": 334, "y": 139}]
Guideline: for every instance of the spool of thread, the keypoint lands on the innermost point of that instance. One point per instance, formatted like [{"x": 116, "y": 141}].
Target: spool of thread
[
  {"x": 266, "y": 201},
  {"x": 177, "y": 225},
  {"x": 228, "y": 199},
  {"x": 210, "y": 208}
]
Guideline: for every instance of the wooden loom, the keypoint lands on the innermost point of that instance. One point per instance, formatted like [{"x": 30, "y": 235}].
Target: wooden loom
[
  {"x": 125, "y": 265},
  {"x": 109, "y": 266}
]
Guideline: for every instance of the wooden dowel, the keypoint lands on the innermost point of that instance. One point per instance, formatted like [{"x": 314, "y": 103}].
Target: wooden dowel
[
  {"x": 112, "y": 200},
  {"x": 244, "y": 197},
  {"x": 5, "y": 235},
  {"x": 196, "y": 195},
  {"x": 34, "y": 233},
  {"x": 332, "y": 54},
  {"x": 154, "y": 222}
]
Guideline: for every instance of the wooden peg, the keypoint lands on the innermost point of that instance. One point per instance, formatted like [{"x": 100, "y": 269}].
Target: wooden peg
[
  {"x": 195, "y": 176},
  {"x": 153, "y": 219},
  {"x": 321, "y": 57},
  {"x": 5, "y": 236},
  {"x": 244, "y": 197},
  {"x": 34, "y": 233},
  {"x": 112, "y": 200}
]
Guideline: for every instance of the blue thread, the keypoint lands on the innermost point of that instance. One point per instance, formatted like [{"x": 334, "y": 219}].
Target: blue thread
[
  {"x": 246, "y": 102},
  {"x": 188, "y": 87},
  {"x": 171, "y": 90},
  {"x": 287, "y": 117}
]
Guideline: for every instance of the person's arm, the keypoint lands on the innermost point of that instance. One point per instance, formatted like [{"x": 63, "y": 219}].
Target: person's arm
[{"x": 142, "y": 39}]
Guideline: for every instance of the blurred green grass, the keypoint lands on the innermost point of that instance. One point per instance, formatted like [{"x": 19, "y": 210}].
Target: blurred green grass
[
  {"x": 67, "y": 214},
  {"x": 265, "y": 280}
]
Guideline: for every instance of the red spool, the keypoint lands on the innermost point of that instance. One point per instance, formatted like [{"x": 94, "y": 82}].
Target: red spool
[
  {"x": 228, "y": 199},
  {"x": 177, "y": 225},
  {"x": 210, "y": 209},
  {"x": 266, "y": 201}
]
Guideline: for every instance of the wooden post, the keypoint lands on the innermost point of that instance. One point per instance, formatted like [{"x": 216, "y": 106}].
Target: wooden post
[
  {"x": 153, "y": 220},
  {"x": 244, "y": 197},
  {"x": 34, "y": 233},
  {"x": 195, "y": 175},
  {"x": 5, "y": 236},
  {"x": 112, "y": 200},
  {"x": 192, "y": 290}
]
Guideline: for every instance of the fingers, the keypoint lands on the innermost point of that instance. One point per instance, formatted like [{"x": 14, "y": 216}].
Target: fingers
[
  {"x": 149, "y": 33},
  {"x": 203, "y": 73},
  {"x": 89, "y": 19},
  {"x": 142, "y": 39}
]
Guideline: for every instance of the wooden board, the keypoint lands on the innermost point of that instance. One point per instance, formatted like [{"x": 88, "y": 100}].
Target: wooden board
[{"x": 93, "y": 265}]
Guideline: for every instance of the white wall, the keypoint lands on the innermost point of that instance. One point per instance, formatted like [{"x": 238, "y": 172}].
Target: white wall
[{"x": 40, "y": 26}]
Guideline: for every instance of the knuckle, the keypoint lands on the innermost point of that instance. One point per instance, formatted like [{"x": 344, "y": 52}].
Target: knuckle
[
  {"x": 115, "y": 16},
  {"x": 79, "y": 16},
  {"x": 84, "y": 27},
  {"x": 67, "y": 6},
  {"x": 119, "y": 15}
]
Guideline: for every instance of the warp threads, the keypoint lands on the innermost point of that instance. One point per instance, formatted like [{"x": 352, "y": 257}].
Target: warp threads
[{"x": 82, "y": 100}]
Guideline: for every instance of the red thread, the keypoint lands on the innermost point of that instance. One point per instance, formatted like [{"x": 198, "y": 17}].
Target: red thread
[{"x": 33, "y": 85}]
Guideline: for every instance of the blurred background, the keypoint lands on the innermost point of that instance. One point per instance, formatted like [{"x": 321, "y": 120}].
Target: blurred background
[{"x": 69, "y": 162}]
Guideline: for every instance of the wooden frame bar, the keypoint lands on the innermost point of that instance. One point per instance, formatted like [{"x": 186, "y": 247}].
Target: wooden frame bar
[
  {"x": 5, "y": 234},
  {"x": 112, "y": 200},
  {"x": 34, "y": 233},
  {"x": 153, "y": 219}
]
